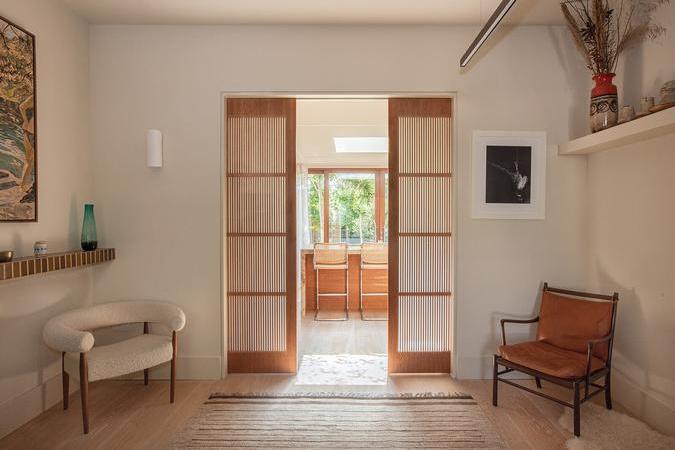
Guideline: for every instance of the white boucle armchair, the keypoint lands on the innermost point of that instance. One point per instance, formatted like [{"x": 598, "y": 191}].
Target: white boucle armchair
[{"x": 70, "y": 334}]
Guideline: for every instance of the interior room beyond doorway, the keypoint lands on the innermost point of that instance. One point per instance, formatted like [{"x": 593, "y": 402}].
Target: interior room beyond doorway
[{"x": 342, "y": 164}]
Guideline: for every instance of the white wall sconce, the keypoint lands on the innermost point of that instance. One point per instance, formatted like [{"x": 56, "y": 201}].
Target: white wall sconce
[{"x": 153, "y": 148}]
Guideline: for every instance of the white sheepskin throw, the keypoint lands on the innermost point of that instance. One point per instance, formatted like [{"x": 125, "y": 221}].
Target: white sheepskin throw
[{"x": 602, "y": 429}]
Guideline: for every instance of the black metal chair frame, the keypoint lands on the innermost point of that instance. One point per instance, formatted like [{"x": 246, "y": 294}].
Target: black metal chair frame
[{"x": 576, "y": 384}]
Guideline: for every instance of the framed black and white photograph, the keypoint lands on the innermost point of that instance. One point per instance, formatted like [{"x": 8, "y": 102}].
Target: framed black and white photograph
[{"x": 509, "y": 175}]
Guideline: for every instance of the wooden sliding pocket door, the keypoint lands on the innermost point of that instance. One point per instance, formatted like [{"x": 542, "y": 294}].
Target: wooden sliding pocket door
[
  {"x": 420, "y": 252},
  {"x": 261, "y": 239}
]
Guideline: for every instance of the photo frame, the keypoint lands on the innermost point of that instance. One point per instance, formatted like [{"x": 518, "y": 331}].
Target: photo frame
[
  {"x": 509, "y": 175},
  {"x": 18, "y": 124}
]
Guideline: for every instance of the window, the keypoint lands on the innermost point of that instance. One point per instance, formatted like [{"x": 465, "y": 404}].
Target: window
[{"x": 351, "y": 201}]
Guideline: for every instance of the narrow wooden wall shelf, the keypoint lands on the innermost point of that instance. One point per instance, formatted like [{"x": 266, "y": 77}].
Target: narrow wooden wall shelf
[
  {"x": 651, "y": 126},
  {"x": 52, "y": 262}
]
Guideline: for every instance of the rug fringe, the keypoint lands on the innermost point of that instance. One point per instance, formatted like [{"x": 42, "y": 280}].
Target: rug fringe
[{"x": 343, "y": 395}]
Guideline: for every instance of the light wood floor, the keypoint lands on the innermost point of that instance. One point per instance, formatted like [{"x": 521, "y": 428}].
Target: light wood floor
[
  {"x": 354, "y": 337},
  {"x": 129, "y": 415}
]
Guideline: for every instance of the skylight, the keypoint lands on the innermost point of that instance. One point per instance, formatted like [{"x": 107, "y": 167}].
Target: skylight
[{"x": 361, "y": 144}]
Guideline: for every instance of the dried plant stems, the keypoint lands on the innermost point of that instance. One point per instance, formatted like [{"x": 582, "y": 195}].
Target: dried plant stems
[{"x": 603, "y": 29}]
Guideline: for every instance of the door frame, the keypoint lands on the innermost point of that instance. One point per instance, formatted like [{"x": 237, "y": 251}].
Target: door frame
[{"x": 453, "y": 96}]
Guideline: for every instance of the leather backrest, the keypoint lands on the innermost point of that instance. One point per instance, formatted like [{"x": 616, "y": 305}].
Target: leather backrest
[{"x": 570, "y": 323}]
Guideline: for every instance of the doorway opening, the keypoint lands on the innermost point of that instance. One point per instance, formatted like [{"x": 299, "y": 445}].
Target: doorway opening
[
  {"x": 338, "y": 237},
  {"x": 342, "y": 160}
]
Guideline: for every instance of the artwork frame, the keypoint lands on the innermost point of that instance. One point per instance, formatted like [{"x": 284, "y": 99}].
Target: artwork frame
[
  {"x": 19, "y": 191},
  {"x": 509, "y": 175}
]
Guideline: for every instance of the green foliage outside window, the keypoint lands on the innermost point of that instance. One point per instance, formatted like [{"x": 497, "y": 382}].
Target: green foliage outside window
[
  {"x": 351, "y": 209},
  {"x": 315, "y": 204}
]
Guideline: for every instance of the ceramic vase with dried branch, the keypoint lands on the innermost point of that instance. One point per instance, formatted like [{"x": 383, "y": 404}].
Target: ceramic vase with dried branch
[{"x": 602, "y": 30}]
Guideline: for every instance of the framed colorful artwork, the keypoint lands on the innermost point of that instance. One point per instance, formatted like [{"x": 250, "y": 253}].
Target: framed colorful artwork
[{"x": 18, "y": 132}]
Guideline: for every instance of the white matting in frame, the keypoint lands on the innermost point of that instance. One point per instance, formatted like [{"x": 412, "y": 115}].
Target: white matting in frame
[{"x": 509, "y": 175}]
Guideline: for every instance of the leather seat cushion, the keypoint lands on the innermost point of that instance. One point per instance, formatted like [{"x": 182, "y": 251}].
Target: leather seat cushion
[{"x": 549, "y": 359}]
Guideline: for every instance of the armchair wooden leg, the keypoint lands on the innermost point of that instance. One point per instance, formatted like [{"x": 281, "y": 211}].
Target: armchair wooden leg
[
  {"x": 84, "y": 392},
  {"x": 174, "y": 343},
  {"x": 608, "y": 390},
  {"x": 577, "y": 410},
  {"x": 65, "y": 380},
  {"x": 538, "y": 381},
  {"x": 495, "y": 383},
  {"x": 146, "y": 330}
]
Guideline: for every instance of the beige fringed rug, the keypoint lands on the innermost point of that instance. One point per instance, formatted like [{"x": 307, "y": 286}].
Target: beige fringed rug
[{"x": 350, "y": 420}]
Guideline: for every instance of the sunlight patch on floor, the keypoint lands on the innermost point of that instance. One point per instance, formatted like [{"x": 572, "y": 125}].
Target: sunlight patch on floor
[{"x": 335, "y": 370}]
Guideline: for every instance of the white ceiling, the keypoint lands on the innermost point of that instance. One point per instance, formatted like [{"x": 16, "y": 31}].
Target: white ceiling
[
  {"x": 323, "y": 12},
  {"x": 320, "y": 120}
]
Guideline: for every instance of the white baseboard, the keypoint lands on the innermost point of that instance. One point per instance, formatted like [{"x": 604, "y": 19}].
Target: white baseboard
[
  {"x": 641, "y": 403},
  {"x": 480, "y": 368},
  {"x": 23, "y": 408},
  {"x": 187, "y": 368},
  {"x": 474, "y": 368},
  {"x": 646, "y": 405}
]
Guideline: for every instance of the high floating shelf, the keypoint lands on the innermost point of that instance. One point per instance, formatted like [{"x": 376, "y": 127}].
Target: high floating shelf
[
  {"x": 651, "y": 126},
  {"x": 52, "y": 262}
]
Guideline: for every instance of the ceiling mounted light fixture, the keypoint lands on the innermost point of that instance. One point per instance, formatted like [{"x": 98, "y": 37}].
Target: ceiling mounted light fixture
[{"x": 487, "y": 30}]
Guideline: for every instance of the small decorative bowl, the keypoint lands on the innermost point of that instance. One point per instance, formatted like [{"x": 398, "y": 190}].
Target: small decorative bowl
[{"x": 6, "y": 256}]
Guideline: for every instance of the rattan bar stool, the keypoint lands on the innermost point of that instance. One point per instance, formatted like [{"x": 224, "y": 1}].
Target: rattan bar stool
[
  {"x": 331, "y": 257},
  {"x": 374, "y": 256}
]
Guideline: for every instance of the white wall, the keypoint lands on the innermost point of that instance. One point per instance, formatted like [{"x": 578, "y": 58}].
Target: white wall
[
  {"x": 643, "y": 70},
  {"x": 632, "y": 245},
  {"x": 29, "y": 372},
  {"x": 166, "y": 223}
]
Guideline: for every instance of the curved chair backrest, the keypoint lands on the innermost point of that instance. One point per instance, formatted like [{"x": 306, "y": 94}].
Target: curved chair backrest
[{"x": 70, "y": 332}]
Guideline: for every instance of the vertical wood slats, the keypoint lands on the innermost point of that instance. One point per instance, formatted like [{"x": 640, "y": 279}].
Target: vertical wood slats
[
  {"x": 420, "y": 235},
  {"x": 429, "y": 198},
  {"x": 424, "y": 266},
  {"x": 256, "y": 205},
  {"x": 257, "y": 145},
  {"x": 419, "y": 142},
  {"x": 261, "y": 234},
  {"x": 256, "y": 264},
  {"x": 261, "y": 324},
  {"x": 431, "y": 311}
]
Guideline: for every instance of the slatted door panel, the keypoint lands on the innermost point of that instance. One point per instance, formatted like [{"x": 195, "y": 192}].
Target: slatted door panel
[
  {"x": 261, "y": 265},
  {"x": 420, "y": 226}
]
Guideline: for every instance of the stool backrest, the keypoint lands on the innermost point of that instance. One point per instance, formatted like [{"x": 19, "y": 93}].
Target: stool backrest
[
  {"x": 330, "y": 253},
  {"x": 374, "y": 253}
]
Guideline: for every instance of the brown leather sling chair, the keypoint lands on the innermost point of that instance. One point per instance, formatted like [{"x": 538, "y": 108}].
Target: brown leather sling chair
[{"x": 573, "y": 347}]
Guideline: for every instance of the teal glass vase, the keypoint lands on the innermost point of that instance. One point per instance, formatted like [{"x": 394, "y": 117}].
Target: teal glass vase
[{"x": 89, "y": 241}]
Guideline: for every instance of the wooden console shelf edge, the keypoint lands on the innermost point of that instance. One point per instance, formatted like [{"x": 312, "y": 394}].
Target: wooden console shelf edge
[
  {"x": 52, "y": 262},
  {"x": 648, "y": 127}
]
